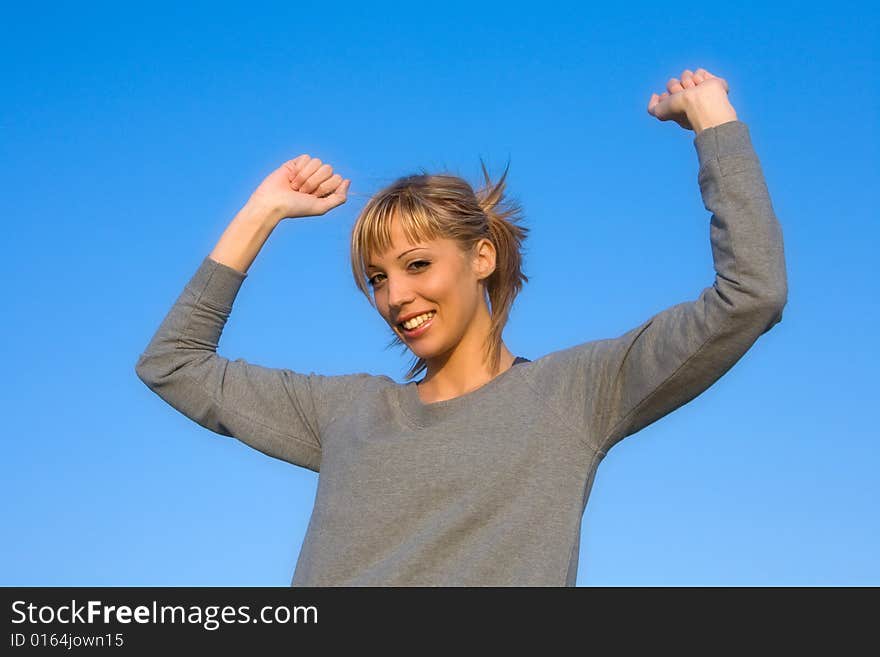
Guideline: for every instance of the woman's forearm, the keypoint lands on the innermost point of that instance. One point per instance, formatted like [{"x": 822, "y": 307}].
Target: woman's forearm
[{"x": 245, "y": 236}]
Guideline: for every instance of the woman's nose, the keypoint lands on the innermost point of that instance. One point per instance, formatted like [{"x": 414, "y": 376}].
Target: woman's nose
[{"x": 399, "y": 293}]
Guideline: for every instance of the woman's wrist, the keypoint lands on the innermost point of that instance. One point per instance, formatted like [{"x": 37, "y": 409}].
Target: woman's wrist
[
  {"x": 705, "y": 115},
  {"x": 259, "y": 211}
]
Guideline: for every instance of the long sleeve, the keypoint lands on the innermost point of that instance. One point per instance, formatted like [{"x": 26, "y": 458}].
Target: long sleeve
[
  {"x": 609, "y": 389},
  {"x": 276, "y": 411}
]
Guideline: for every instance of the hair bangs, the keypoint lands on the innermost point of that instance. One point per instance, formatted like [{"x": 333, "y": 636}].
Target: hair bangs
[{"x": 371, "y": 235}]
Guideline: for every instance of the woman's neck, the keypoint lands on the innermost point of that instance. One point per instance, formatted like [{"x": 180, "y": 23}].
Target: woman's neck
[{"x": 457, "y": 376}]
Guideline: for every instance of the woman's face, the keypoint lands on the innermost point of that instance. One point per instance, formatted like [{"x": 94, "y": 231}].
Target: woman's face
[{"x": 432, "y": 277}]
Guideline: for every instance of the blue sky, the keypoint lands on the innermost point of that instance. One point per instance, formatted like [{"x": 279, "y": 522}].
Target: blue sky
[{"x": 132, "y": 135}]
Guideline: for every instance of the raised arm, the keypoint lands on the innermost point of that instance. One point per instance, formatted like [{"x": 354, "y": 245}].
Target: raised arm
[
  {"x": 276, "y": 411},
  {"x": 610, "y": 389},
  {"x": 677, "y": 354},
  {"x": 301, "y": 187}
]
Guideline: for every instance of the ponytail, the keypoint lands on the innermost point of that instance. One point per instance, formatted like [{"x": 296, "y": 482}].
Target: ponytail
[{"x": 506, "y": 282}]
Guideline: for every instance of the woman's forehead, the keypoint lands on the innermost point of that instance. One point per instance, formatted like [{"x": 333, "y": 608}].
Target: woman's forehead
[{"x": 397, "y": 242}]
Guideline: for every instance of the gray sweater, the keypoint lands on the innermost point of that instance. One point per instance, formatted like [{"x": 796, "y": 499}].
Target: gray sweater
[{"x": 488, "y": 488}]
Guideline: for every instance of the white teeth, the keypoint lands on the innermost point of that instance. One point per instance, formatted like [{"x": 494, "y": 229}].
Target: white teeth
[{"x": 417, "y": 321}]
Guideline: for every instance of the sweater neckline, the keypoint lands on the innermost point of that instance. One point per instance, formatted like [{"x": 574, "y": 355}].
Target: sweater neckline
[{"x": 421, "y": 413}]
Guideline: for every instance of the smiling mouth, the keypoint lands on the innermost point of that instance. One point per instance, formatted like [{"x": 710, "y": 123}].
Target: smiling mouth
[{"x": 418, "y": 328}]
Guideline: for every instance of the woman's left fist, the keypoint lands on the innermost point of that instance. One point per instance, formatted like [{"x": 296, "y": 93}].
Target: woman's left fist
[{"x": 697, "y": 92}]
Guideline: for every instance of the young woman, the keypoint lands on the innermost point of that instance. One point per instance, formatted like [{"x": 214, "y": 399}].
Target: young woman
[{"x": 478, "y": 473}]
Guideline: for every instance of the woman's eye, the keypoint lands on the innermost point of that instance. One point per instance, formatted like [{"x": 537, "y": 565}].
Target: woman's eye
[{"x": 374, "y": 282}]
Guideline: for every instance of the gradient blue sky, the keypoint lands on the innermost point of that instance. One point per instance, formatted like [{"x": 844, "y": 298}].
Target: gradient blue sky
[{"x": 131, "y": 136}]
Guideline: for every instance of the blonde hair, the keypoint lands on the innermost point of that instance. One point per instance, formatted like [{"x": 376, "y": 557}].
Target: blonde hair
[{"x": 443, "y": 206}]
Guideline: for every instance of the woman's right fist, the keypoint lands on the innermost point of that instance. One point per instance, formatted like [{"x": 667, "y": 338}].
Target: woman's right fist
[{"x": 302, "y": 187}]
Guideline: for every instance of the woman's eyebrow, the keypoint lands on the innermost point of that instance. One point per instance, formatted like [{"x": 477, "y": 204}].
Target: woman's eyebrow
[
  {"x": 401, "y": 255},
  {"x": 408, "y": 250}
]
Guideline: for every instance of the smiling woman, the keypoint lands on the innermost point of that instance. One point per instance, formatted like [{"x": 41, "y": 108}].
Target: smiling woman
[{"x": 479, "y": 474}]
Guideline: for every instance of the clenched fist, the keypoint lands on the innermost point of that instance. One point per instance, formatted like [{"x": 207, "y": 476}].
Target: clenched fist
[
  {"x": 302, "y": 187},
  {"x": 696, "y": 101}
]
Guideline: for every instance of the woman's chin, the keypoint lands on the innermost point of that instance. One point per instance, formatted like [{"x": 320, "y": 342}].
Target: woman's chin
[{"x": 423, "y": 351}]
